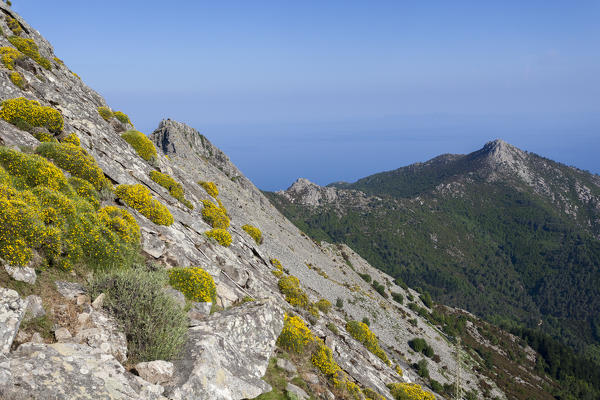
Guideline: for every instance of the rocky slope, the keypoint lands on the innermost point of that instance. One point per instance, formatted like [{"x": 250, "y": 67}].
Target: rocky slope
[{"x": 81, "y": 350}]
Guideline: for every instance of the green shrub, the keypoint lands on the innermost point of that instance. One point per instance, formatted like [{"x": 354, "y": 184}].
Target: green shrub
[
  {"x": 379, "y": 288},
  {"x": 214, "y": 215},
  {"x": 85, "y": 190},
  {"x": 398, "y": 298},
  {"x": 333, "y": 328},
  {"x": 75, "y": 160},
  {"x": 139, "y": 198},
  {"x": 289, "y": 286},
  {"x": 361, "y": 332},
  {"x": 422, "y": 369},
  {"x": 339, "y": 303},
  {"x": 220, "y": 235},
  {"x": 174, "y": 187},
  {"x": 365, "y": 277},
  {"x": 141, "y": 144},
  {"x": 9, "y": 55},
  {"x": 30, "y": 48},
  {"x": 29, "y": 113},
  {"x": 366, "y": 321},
  {"x": 18, "y": 80},
  {"x": 122, "y": 117},
  {"x": 13, "y": 25},
  {"x": 105, "y": 113},
  {"x": 324, "y": 305},
  {"x": 155, "y": 325},
  {"x": 421, "y": 346},
  {"x": 426, "y": 299},
  {"x": 195, "y": 283},
  {"x": 400, "y": 282},
  {"x": 254, "y": 232},
  {"x": 409, "y": 391},
  {"x": 210, "y": 188}
]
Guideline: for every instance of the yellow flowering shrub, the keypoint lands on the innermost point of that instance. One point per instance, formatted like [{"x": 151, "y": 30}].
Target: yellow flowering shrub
[
  {"x": 9, "y": 55},
  {"x": 44, "y": 136},
  {"x": 139, "y": 198},
  {"x": 370, "y": 394},
  {"x": 220, "y": 235},
  {"x": 122, "y": 117},
  {"x": 30, "y": 48},
  {"x": 254, "y": 232},
  {"x": 409, "y": 391},
  {"x": 289, "y": 286},
  {"x": 174, "y": 187},
  {"x": 30, "y": 112},
  {"x": 121, "y": 222},
  {"x": 361, "y": 332},
  {"x": 277, "y": 264},
  {"x": 18, "y": 80},
  {"x": 4, "y": 177},
  {"x": 105, "y": 113},
  {"x": 14, "y": 25},
  {"x": 399, "y": 370},
  {"x": 277, "y": 273},
  {"x": 195, "y": 283},
  {"x": 71, "y": 139},
  {"x": 295, "y": 334},
  {"x": 214, "y": 216},
  {"x": 74, "y": 160},
  {"x": 322, "y": 358},
  {"x": 141, "y": 144},
  {"x": 324, "y": 305},
  {"x": 85, "y": 190},
  {"x": 32, "y": 169},
  {"x": 210, "y": 188}
]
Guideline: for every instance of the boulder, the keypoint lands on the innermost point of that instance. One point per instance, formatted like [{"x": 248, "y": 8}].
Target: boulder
[
  {"x": 12, "y": 310},
  {"x": 101, "y": 331},
  {"x": 69, "y": 371},
  {"x": 156, "y": 372},
  {"x": 35, "y": 307},
  {"x": 176, "y": 295},
  {"x": 296, "y": 392},
  {"x": 228, "y": 353},
  {"x": 69, "y": 290},
  {"x": 23, "y": 274},
  {"x": 62, "y": 335},
  {"x": 286, "y": 365},
  {"x": 199, "y": 310}
]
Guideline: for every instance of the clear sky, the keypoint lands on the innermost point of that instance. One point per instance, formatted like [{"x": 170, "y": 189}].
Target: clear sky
[{"x": 337, "y": 90}]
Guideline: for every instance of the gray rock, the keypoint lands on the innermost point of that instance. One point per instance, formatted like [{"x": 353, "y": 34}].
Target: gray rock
[
  {"x": 101, "y": 331},
  {"x": 36, "y": 338},
  {"x": 199, "y": 310},
  {"x": 69, "y": 371},
  {"x": 12, "y": 310},
  {"x": 294, "y": 390},
  {"x": 70, "y": 290},
  {"x": 62, "y": 335},
  {"x": 23, "y": 274},
  {"x": 286, "y": 365},
  {"x": 35, "y": 307},
  {"x": 176, "y": 295},
  {"x": 97, "y": 304},
  {"x": 156, "y": 372},
  {"x": 227, "y": 354},
  {"x": 311, "y": 378}
]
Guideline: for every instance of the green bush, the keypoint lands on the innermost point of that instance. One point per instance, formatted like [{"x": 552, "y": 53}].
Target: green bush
[
  {"x": 398, "y": 298},
  {"x": 122, "y": 117},
  {"x": 85, "y": 190},
  {"x": 30, "y": 48},
  {"x": 379, "y": 288},
  {"x": 71, "y": 138},
  {"x": 421, "y": 346},
  {"x": 220, "y": 235},
  {"x": 195, "y": 283},
  {"x": 141, "y": 144},
  {"x": 426, "y": 299},
  {"x": 105, "y": 113},
  {"x": 18, "y": 80},
  {"x": 25, "y": 113},
  {"x": 75, "y": 160},
  {"x": 174, "y": 187},
  {"x": 139, "y": 198},
  {"x": 155, "y": 325},
  {"x": 254, "y": 232},
  {"x": 366, "y": 321},
  {"x": 324, "y": 305},
  {"x": 422, "y": 369},
  {"x": 361, "y": 332},
  {"x": 365, "y": 277},
  {"x": 32, "y": 170}
]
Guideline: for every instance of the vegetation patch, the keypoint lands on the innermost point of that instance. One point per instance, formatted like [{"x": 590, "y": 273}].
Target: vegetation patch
[
  {"x": 409, "y": 391},
  {"x": 174, "y": 187},
  {"x": 25, "y": 114},
  {"x": 85, "y": 190},
  {"x": 195, "y": 283},
  {"x": 139, "y": 198},
  {"x": 141, "y": 144},
  {"x": 210, "y": 188},
  {"x": 105, "y": 113},
  {"x": 30, "y": 48},
  {"x": 18, "y": 80},
  {"x": 155, "y": 325},
  {"x": 289, "y": 286},
  {"x": 361, "y": 332},
  {"x": 421, "y": 346},
  {"x": 71, "y": 139},
  {"x": 220, "y": 235},
  {"x": 323, "y": 305},
  {"x": 14, "y": 25},
  {"x": 214, "y": 215},
  {"x": 254, "y": 232},
  {"x": 9, "y": 55},
  {"x": 122, "y": 117}
]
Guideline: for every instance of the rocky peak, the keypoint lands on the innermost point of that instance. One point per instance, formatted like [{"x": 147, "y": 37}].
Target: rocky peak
[{"x": 306, "y": 192}]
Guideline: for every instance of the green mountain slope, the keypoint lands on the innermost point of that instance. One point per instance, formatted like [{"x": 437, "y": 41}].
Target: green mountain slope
[{"x": 500, "y": 232}]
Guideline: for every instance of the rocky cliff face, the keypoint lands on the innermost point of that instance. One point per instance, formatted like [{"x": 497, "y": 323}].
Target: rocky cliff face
[{"x": 227, "y": 353}]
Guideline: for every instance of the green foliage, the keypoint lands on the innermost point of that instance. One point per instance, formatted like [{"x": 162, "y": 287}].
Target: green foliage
[
  {"x": 323, "y": 305},
  {"x": 422, "y": 369},
  {"x": 9, "y": 55},
  {"x": 85, "y": 190},
  {"x": 105, "y": 112},
  {"x": 174, "y": 187},
  {"x": 214, "y": 215},
  {"x": 421, "y": 346},
  {"x": 366, "y": 321},
  {"x": 331, "y": 326},
  {"x": 155, "y": 325},
  {"x": 289, "y": 286},
  {"x": 75, "y": 160},
  {"x": 220, "y": 235},
  {"x": 139, "y": 198},
  {"x": 30, "y": 113},
  {"x": 254, "y": 232},
  {"x": 141, "y": 144},
  {"x": 122, "y": 117},
  {"x": 210, "y": 188},
  {"x": 379, "y": 288},
  {"x": 18, "y": 80},
  {"x": 398, "y": 298},
  {"x": 365, "y": 277},
  {"x": 30, "y": 48},
  {"x": 339, "y": 303},
  {"x": 295, "y": 335},
  {"x": 195, "y": 283},
  {"x": 32, "y": 170},
  {"x": 71, "y": 138},
  {"x": 13, "y": 25},
  {"x": 361, "y": 332},
  {"x": 409, "y": 391},
  {"x": 426, "y": 299}
]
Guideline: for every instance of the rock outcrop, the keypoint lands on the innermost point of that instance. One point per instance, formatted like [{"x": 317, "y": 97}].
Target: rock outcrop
[{"x": 12, "y": 310}]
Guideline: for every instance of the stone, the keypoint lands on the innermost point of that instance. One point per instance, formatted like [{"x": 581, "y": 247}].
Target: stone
[
  {"x": 155, "y": 372},
  {"x": 176, "y": 295},
  {"x": 62, "y": 335},
  {"x": 296, "y": 391},
  {"x": 100, "y": 330},
  {"x": 97, "y": 304},
  {"x": 286, "y": 365},
  {"x": 228, "y": 353},
  {"x": 69, "y": 371},
  {"x": 36, "y": 338},
  {"x": 12, "y": 310},
  {"x": 22, "y": 336},
  {"x": 23, "y": 274},
  {"x": 69, "y": 290},
  {"x": 329, "y": 395},
  {"x": 311, "y": 378},
  {"x": 82, "y": 299},
  {"x": 35, "y": 308},
  {"x": 199, "y": 310}
]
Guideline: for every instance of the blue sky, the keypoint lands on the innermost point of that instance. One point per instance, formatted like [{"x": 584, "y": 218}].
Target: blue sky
[{"x": 339, "y": 90}]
